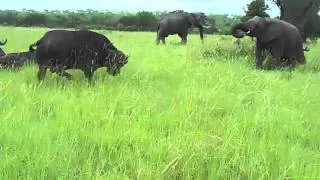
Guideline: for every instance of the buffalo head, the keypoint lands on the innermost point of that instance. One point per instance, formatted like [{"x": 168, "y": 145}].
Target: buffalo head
[{"x": 115, "y": 61}]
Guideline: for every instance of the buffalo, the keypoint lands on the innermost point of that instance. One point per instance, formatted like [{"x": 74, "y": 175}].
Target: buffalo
[
  {"x": 16, "y": 60},
  {"x": 2, "y": 44},
  {"x": 60, "y": 50}
]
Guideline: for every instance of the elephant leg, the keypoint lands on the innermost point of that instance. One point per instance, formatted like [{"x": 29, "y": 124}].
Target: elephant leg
[
  {"x": 293, "y": 62},
  {"x": 276, "y": 62},
  {"x": 163, "y": 39},
  {"x": 184, "y": 40},
  {"x": 183, "y": 37},
  {"x": 288, "y": 62},
  {"x": 259, "y": 55},
  {"x": 158, "y": 39},
  {"x": 161, "y": 35},
  {"x": 88, "y": 73},
  {"x": 285, "y": 61},
  {"x": 277, "y": 53}
]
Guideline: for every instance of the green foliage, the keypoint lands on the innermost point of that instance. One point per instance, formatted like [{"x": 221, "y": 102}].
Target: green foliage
[
  {"x": 224, "y": 22},
  {"x": 146, "y": 21},
  {"x": 229, "y": 51},
  {"x": 256, "y": 8},
  {"x": 171, "y": 114},
  {"x": 91, "y": 19}
]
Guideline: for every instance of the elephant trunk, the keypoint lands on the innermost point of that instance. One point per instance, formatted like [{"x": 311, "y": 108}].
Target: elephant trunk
[
  {"x": 3, "y": 43},
  {"x": 240, "y": 30},
  {"x": 201, "y": 32}
]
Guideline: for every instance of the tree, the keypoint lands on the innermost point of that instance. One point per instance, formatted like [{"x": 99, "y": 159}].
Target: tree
[
  {"x": 256, "y": 8},
  {"x": 302, "y": 14},
  {"x": 146, "y": 20},
  {"x": 129, "y": 20}
]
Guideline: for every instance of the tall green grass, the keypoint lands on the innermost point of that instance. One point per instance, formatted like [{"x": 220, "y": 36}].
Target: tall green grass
[{"x": 173, "y": 113}]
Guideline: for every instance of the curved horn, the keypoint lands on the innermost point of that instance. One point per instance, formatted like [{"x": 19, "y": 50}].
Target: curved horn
[{"x": 3, "y": 43}]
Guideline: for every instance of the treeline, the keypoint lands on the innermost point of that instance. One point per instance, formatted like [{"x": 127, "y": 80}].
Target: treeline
[{"x": 92, "y": 19}]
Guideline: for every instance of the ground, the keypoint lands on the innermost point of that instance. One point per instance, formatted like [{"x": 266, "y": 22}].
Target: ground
[{"x": 200, "y": 111}]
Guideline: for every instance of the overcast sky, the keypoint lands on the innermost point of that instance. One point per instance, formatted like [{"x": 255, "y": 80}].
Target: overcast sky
[{"x": 232, "y": 7}]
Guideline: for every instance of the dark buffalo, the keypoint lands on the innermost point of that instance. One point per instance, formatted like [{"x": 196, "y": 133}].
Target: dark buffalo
[
  {"x": 16, "y": 60},
  {"x": 2, "y": 44},
  {"x": 60, "y": 50}
]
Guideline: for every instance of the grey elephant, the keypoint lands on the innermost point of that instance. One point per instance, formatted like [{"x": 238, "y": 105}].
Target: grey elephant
[
  {"x": 2, "y": 44},
  {"x": 280, "y": 38},
  {"x": 179, "y": 23}
]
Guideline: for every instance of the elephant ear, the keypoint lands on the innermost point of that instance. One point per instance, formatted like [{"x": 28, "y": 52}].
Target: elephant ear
[
  {"x": 197, "y": 19},
  {"x": 193, "y": 18},
  {"x": 257, "y": 25}
]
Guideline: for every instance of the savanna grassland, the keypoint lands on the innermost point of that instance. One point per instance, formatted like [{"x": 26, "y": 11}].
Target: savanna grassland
[{"x": 200, "y": 111}]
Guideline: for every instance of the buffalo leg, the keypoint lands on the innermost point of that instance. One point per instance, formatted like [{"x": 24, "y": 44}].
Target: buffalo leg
[
  {"x": 259, "y": 55},
  {"x": 42, "y": 72}
]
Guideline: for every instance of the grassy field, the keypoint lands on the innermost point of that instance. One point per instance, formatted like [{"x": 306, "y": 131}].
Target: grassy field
[{"x": 175, "y": 112}]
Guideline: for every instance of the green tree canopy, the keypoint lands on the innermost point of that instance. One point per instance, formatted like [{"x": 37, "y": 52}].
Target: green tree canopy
[
  {"x": 301, "y": 13},
  {"x": 256, "y": 8}
]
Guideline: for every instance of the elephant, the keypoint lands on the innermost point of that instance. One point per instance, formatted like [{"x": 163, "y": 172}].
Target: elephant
[
  {"x": 2, "y": 44},
  {"x": 282, "y": 39},
  {"x": 179, "y": 23}
]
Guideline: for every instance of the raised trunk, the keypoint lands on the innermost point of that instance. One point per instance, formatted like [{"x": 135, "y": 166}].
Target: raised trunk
[{"x": 239, "y": 30}]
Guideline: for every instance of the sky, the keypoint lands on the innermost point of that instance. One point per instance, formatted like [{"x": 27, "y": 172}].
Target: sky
[{"x": 231, "y": 7}]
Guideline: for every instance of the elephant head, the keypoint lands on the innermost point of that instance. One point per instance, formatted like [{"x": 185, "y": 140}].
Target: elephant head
[
  {"x": 253, "y": 27},
  {"x": 198, "y": 20},
  {"x": 3, "y": 43}
]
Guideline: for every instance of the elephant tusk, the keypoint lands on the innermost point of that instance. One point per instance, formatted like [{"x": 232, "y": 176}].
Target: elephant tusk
[
  {"x": 207, "y": 27},
  {"x": 248, "y": 32}
]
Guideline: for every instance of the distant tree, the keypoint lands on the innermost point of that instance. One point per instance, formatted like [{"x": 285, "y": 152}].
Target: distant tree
[
  {"x": 93, "y": 19},
  {"x": 128, "y": 20},
  {"x": 211, "y": 21},
  {"x": 8, "y": 17},
  {"x": 256, "y": 8},
  {"x": 146, "y": 20},
  {"x": 177, "y": 11},
  {"x": 73, "y": 20}
]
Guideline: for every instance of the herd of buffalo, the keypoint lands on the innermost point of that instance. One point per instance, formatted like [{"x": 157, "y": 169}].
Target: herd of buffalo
[{"x": 60, "y": 50}]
